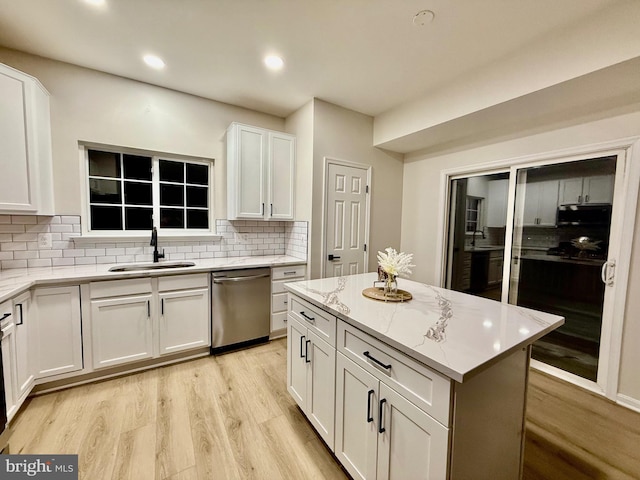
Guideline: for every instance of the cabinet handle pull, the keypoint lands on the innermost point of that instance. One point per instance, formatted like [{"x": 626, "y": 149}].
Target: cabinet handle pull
[
  {"x": 579, "y": 198},
  {"x": 271, "y": 214},
  {"x": 373, "y": 359},
  {"x": 289, "y": 273},
  {"x": 301, "y": 342},
  {"x": 6, "y": 315},
  {"x": 586, "y": 199},
  {"x": 262, "y": 211},
  {"x": 148, "y": 309},
  {"x": 369, "y": 395},
  {"x": 309, "y": 319},
  {"x": 19, "y": 305},
  {"x": 381, "y": 428},
  {"x": 306, "y": 351},
  {"x": 162, "y": 306}
]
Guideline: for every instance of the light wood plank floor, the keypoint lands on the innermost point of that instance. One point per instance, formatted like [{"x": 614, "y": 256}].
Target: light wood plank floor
[{"x": 230, "y": 417}]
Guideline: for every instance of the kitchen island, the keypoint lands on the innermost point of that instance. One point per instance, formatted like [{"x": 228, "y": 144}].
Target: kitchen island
[{"x": 434, "y": 387}]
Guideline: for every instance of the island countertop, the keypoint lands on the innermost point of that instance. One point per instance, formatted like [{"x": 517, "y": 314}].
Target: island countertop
[{"x": 451, "y": 332}]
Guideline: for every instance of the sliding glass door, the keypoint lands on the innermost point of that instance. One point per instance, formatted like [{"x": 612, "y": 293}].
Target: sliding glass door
[{"x": 538, "y": 236}]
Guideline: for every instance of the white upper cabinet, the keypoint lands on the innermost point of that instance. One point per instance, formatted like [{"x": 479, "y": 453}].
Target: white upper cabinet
[
  {"x": 583, "y": 190},
  {"x": 497, "y": 191},
  {"x": 26, "y": 183},
  {"x": 260, "y": 173},
  {"x": 541, "y": 203}
]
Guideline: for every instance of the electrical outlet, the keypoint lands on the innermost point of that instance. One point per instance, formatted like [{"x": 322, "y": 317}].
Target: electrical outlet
[
  {"x": 241, "y": 237},
  {"x": 44, "y": 240}
]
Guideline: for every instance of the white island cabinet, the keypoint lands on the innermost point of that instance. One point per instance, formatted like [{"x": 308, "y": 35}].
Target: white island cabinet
[{"x": 432, "y": 388}]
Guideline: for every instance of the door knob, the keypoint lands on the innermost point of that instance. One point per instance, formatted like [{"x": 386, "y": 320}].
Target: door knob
[{"x": 333, "y": 257}]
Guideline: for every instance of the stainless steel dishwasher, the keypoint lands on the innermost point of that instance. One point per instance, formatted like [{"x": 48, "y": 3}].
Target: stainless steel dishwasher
[{"x": 240, "y": 308}]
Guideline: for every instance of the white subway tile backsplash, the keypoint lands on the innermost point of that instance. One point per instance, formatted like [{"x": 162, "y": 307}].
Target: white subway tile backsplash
[{"x": 19, "y": 243}]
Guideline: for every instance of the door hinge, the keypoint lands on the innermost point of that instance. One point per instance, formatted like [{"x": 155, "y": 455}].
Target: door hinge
[{"x": 366, "y": 190}]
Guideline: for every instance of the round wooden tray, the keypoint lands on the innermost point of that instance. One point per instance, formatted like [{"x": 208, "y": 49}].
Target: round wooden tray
[{"x": 377, "y": 293}]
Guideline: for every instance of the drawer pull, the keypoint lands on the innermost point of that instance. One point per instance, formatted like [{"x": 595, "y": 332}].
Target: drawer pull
[
  {"x": 6, "y": 315},
  {"x": 306, "y": 351},
  {"x": 289, "y": 273},
  {"x": 301, "y": 342},
  {"x": 19, "y": 305},
  {"x": 381, "y": 428},
  {"x": 373, "y": 359},
  {"x": 369, "y": 395},
  {"x": 310, "y": 319},
  {"x": 285, "y": 302}
]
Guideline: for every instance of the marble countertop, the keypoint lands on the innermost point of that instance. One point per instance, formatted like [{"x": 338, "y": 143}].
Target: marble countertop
[
  {"x": 454, "y": 333},
  {"x": 15, "y": 281}
]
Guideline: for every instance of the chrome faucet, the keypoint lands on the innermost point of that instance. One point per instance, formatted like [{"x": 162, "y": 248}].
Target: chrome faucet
[
  {"x": 473, "y": 239},
  {"x": 154, "y": 244}
]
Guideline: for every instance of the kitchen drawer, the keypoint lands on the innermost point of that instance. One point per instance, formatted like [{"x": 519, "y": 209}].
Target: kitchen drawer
[
  {"x": 279, "y": 302},
  {"x": 278, "y": 285},
  {"x": 427, "y": 389},
  {"x": 116, "y": 288},
  {"x": 278, "y": 321},
  {"x": 285, "y": 273},
  {"x": 183, "y": 282},
  {"x": 321, "y": 322}
]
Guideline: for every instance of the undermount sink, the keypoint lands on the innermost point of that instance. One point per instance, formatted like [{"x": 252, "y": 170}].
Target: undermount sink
[{"x": 151, "y": 266}]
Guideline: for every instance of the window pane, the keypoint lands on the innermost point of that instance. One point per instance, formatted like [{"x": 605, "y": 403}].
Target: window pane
[
  {"x": 104, "y": 164},
  {"x": 106, "y": 218},
  {"x": 171, "y": 171},
  {"x": 171, "y": 218},
  {"x": 198, "y": 174},
  {"x": 197, "y": 197},
  {"x": 171, "y": 195},
  {"x": 137, "y": 193},
  {"x": 197, "y": 219},
  {"x": 104, "y": 191},
  {"x": 137, "y": 167},
  {"x": 138, "y": 218}
]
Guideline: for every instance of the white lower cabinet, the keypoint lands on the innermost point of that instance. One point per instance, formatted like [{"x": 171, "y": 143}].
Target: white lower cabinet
[
  {"x": 59, "y": 330},
  {"x": 8, "y": 340},
  {"x": 380, "y": 434},
  {"x": 139, "y": 319},
  {"x": 311, "y": 370},
  {"x": 279, "y": 306},
  {"x": 184, "y": 314},
  {"x": 25, "y": 341},
  {"x": 122, "y": 330}
]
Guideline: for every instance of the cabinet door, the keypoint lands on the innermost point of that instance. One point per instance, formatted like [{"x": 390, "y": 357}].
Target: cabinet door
[
  {"x": 495, "y": 270},
  {"x": 250, "y": 168},
  {"x": 321, "y": 387},
  {"x": 184, "y": 320},
  {"x": 570, "y": 191},
  {"x": 598, "y": 189},
  {"x": 15, "y": 190},
  {"x": 25, "y": 336},
  {"x": 356, "y": 418},
  {"x": 411, "y": 443},
  {"x": 297, "y": 361},
  {"x": 548, "y": 203},
  {"x": 58, "y": 323},
  {"x": 497, "y": 203},
  {"x": 531, "y": 202},
  {"x": 9, "y": 368},
  {"x": 281, "y": 176},
  {"x": 121, "y": 330}
]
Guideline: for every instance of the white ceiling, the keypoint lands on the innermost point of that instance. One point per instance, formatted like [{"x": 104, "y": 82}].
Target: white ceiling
[{"x": 364, "y": 55}]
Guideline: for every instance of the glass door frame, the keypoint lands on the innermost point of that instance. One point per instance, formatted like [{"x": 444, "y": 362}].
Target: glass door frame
[{"x": 625, "y": 203}]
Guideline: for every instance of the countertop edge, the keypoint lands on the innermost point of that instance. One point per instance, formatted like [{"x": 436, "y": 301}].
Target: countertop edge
[{"x": 24, "y": 283}]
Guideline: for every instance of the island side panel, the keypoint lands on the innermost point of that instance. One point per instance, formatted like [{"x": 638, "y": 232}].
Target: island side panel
[{"x": 488, "y": 421}]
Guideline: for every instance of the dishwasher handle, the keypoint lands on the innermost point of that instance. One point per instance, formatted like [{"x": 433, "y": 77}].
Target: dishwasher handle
[{"x": 240, "y": 279}]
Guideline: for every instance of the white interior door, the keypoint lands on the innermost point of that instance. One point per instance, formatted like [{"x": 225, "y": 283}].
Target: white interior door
[{"x": 346, "y": 219}]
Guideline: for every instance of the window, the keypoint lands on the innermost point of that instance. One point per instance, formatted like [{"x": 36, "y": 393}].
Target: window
[{"x": 129, "y": 192}]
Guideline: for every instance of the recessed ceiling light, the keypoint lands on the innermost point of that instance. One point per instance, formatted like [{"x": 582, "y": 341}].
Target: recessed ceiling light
[
  {"x": 154, "y": 61},
  {"x": 273, "y": 62},
  {"x": 423, "y": 18},
  {"x": 96, "y": 3}
]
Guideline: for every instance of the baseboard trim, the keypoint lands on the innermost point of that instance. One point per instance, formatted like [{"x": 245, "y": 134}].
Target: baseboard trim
[{"x": 629, "y": 402}]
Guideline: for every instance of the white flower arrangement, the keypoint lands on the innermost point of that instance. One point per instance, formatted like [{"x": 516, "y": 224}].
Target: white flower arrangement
[{"x": 394, "y": 263}]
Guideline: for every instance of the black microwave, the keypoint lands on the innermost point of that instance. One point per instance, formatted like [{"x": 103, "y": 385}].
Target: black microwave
[{"x": 590, "y": 215}]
